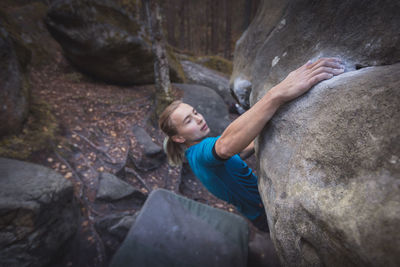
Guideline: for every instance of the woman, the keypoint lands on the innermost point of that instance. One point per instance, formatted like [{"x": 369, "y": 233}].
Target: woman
[{"x": 215, "y": 160}]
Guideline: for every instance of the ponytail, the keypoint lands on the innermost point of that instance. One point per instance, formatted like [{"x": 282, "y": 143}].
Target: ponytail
[{"x": 175, "y": 151}]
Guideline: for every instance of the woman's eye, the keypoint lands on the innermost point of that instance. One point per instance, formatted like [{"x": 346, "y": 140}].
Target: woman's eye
[{"x": 188, "y": 121}]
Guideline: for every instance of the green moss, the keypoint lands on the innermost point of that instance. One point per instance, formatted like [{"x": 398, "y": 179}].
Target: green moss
[
  {"x": 39, "y": 42},
  {"x": 116, "y": 17},
  {"x": 216, "y": 63},
  {"x": 75, "y": 77},
  {"x": 38, "y": 132},
  {"x": 176, "y": 70}
]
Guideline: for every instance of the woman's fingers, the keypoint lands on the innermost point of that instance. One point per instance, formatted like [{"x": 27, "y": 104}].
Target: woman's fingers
[
  {"x": 320, "y": 77},
  {"x": 326, "y": 62},
  {"x": 330, "y": 70}
]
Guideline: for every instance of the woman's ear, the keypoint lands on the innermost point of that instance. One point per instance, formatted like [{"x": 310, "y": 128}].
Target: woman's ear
[{"x": 178, "y": 139}]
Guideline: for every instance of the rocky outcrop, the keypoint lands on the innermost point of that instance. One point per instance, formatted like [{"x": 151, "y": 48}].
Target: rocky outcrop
[
  {"x": 37, "y": 214},
  {"x": 201, "y": 75},
  {"x": 151, "y": 155},
  {"x": 104, "y": 41},
  {"x": 14, "y": 87},
  {"x": 113, "y": 229},
  {"x": 208, "y": 103},
  {"x": 113, "y": 189},
  {"x": 24, "y": 21},
  {"x": 330, "y": 161}
]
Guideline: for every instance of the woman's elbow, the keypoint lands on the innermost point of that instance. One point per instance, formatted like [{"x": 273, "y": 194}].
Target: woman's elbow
[{"x": 222, "y": 149}]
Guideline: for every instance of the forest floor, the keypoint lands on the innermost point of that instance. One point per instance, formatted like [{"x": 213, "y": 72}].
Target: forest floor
[{"x": 95, "y": 135}]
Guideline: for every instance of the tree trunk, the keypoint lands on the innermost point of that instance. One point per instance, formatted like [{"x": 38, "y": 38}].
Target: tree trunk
[
  {"x": 228, "y": 28},
  {"x": 182, "y": 25},
  {"x": 161, "y": 68},
  {"x": 188, "y": 31},
  {"x": 214, "y": 27}
]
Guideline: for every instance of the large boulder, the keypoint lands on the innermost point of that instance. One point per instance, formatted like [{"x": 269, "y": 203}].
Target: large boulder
[
  {"x": 104, "y": 41},
  {"x": 208, "y": 103},
  {"x": 38, "y": 214},
  {"x": 24, "y": 21},
  {"x": 14, "y": 87},
  {"x": 198, "y": 74},
  {"x": 286, "y": 34},
  {"x": 330, "y": 161}
]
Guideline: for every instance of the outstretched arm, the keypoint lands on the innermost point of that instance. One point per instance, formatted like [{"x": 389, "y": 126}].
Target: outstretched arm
[{"x": 241, "y": 132}]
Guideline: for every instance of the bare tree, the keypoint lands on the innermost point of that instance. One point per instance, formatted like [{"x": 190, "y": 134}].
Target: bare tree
[
  {"x": 161, "y": 67},
  {"x": 182, "y": 24},
  {"x": 228, "y": 28}
]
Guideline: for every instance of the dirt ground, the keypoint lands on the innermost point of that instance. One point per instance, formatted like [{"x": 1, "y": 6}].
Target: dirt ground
[{"x": 95, "y": 135}]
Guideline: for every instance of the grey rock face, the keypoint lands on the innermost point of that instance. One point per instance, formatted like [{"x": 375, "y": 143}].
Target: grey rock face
[
  {"x": 151, "y": 156},
  {"x": 241, "y": 89},
  {"x": 37, "y": 213},
  {"x": 111, "y": 189},
  {"x": 330, "y": 172},
  {"x": 103, "y": 40},
  {"x": 113, "y": 230},
  {"x": 200, "y": 75},
  {"x": 14, "y": 92},
  {"x": 286, "y": 34},
  {"x": 329, "y": 161},
  {"x": 171, "y": 230},
  {"x": 209, "y": 104}
]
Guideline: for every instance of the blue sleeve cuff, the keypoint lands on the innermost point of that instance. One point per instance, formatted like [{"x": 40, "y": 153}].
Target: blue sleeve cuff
[{"x": 216, "y": 155}]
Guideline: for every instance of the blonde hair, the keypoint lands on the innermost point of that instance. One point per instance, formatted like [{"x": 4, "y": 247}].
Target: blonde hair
[{"x": 175, "y": 151}]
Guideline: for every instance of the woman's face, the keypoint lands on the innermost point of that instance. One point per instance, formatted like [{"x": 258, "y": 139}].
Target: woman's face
[{"x": 190, "y": 125}]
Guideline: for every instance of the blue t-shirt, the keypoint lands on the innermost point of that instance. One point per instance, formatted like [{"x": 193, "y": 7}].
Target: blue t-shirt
[{"x": 230, "y": 180}]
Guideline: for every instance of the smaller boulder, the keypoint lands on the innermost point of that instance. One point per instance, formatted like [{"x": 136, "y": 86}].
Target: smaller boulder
[
  {"x": 38, "y": 214},
  {"x": 171, "y": 230},
  {"x": 14, "y": 90},
  {"x": 152, "y": 155},
  {"x": 113, "y": 229},
  {"x": 201, "y": 75},
  {"x": 113, "y": 189},
  {"x": 208, "y": 103}
]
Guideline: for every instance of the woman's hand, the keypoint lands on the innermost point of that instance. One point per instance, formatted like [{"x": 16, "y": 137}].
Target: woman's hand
[
  {"x": 301, "y": 80},
  {"x": 238, "y": 135}
]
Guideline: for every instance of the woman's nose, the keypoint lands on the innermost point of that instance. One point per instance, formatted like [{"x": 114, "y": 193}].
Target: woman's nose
[{"x": 199, "y": 118}]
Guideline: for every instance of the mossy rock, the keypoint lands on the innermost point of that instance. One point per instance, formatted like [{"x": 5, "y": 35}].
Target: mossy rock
[
  {"x": 14, "y": 85},
  {"x": 103, "y": 40},
  {"x": 37, "y": 134},
  {"x": 175, "y": 68},
  {"x": 24, "y": 22},
  {"x": 216, "y": 63}
]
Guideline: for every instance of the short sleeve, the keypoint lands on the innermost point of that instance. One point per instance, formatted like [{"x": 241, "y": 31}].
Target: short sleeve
[{"x": 203, "y": 152}]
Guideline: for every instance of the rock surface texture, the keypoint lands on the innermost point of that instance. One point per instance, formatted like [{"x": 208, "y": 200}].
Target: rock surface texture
[
  {"x": 37, "y": 214},
  {"x": 104, "y": 41},
  {"x": 198, "y": 74},
  {"x": 189, "y": 234},
  {"x": 209, "y": 104},
  {"x": 330, "y": 160},
  {"x": 14, "y": 90}
]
